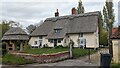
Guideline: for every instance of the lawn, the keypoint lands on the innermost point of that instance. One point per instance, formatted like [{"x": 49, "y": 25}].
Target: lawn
[
  {"x": 77, "y": 52},
  {"x": 10, "y": 59},
  {"x": 115, "y": 66},
  {"x": 45, "y": 50}
]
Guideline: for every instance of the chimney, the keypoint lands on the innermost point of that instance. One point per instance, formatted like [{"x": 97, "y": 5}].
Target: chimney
[
  {"x": 56, "y": 13},
  {"x": 73, "y": 10}
]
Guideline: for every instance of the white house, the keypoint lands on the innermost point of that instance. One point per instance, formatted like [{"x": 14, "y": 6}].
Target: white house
[{"x": 82, "y": 29}]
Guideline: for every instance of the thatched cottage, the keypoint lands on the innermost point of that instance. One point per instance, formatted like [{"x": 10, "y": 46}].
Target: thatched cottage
[
  {"x": 116, "y": 44},
  {"x": 82, "y": 29},
  {"x": 15, "y": 38}
]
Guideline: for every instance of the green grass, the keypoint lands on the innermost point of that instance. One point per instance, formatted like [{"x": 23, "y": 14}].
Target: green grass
[
  {"x": 10, "y": 59},
  {"x": 115, "y": 66},
  {"x": 45, "y": 50},
  {"x": 77, "y": 52},
  {"x": 14, "y": 60}
]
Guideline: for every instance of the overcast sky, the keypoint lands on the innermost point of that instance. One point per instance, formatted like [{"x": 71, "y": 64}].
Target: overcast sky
[{"x": 33, "y": 11}]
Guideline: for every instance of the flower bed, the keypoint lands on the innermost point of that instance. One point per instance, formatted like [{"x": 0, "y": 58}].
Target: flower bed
[{"x": 44, "y": 58}]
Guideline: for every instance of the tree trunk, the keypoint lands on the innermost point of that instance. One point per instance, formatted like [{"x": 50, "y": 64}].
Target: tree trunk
[{"x": 109, "y": 40}]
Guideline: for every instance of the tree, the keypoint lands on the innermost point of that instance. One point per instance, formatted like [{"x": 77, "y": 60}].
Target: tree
[
  {"x": 102, "y": 32},
  {"x": 14, "y": 24},
  {"x": 80, "y": 8},
  {"x": 39, "y": 23},
  {"x": 4, "y": 27},
  {"x": 103, "y": 38},
  {"x": 109, "y": 16},
  {"x": 31, "y": 28}
]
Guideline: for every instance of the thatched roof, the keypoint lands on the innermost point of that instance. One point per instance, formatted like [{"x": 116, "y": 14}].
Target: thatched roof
[
  {"x": 15, "y": 33},
  {"x": 77, "y": 23}
]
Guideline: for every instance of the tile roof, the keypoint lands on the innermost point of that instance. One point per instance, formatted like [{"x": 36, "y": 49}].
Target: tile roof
[{"x": 115, "y": 33}]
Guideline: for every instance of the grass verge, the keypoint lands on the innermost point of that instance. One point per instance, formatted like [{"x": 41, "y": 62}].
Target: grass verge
[
  {"x": 115, "y": 65},
  {"x": 10, "y": 59}
]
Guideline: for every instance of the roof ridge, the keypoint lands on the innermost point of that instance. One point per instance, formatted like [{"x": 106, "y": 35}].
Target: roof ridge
[{"x": 73, "y": 16}]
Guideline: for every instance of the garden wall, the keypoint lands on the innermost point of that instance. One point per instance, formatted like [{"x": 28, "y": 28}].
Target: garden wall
[{"x": 44, "y": 58}]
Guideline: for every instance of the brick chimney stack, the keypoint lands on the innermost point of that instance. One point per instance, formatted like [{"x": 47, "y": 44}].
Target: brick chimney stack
[
  {"x": 73, "y": 10},
  {"x": 56, "y": 13}
]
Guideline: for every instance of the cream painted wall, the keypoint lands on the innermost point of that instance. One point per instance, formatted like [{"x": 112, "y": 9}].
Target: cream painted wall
[
  {"x": 44, "y": 41},
  {"x": 52, "y": 44},
  {"x": 91, "y": 39},
  {"x": 116, "y": 53},
  {"x": 32, "y": 40}
]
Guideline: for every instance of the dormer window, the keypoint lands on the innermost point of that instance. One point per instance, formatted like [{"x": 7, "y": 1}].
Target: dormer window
[{"x": 57, "y": 30}]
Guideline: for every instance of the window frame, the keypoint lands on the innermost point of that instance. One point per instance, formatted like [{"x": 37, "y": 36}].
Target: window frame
[
  {"x": 59, "y": 40},
  {"x": 51, "y": 40},
  {"x": 57, "y": 30},
  {"x": 80, "y": 35}
]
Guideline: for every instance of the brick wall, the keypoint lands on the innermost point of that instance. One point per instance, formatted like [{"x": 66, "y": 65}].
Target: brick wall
[{"x": 44, "y": 58}]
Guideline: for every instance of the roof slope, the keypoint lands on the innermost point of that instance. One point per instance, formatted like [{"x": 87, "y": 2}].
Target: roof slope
[
  {"x": 115, "y": 33},
  {"x": 15, "y": 33},
  {"x": 77, "y": 23}
]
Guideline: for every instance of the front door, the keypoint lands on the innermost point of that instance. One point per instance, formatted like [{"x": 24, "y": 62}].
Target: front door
[{"x": 55, "y": 42}]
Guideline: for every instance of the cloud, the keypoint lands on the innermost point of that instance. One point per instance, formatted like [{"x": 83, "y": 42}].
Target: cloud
[
  {"x": 55, "y": 0},
  {"x": 31, "y": 12}
]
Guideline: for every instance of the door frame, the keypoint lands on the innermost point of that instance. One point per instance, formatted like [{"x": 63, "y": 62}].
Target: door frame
[{"x": 55, "y": 42}]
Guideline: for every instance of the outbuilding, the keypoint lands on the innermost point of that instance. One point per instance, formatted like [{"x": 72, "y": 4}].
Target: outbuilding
[{"x": 14, "y": 39}]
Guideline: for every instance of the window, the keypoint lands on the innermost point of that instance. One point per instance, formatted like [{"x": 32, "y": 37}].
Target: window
[
  {"x": 81, "y": 42},
  {"x": 59, "y": 40},
  {"x": 81, "y": 35},
  {"x": 35, "y": 42},
  {"x": 40, "y": 37},
  {"x": 50, "y": 40},
  {"x": 57, "y": 30}
]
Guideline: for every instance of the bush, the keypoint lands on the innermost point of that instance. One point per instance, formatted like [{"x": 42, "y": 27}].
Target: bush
[{"x": 103, "y": 38}]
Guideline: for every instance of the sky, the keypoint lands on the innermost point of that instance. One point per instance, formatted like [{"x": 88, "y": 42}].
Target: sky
[{"x": 34, "y": 11}]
